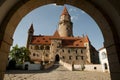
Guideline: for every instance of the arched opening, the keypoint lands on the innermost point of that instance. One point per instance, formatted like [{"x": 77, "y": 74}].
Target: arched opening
[
  {"x": 57, "y": 58},
  {"x": 26, "y": 66},
  {"x": 106, "y": 22},
  {"x": 105, "y": 65}
]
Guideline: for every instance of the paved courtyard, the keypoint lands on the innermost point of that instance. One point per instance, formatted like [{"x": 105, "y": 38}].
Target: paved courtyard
[{"x": 58, "y": 73}]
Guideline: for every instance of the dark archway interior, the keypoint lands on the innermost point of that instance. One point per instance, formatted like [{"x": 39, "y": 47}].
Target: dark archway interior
[
  {"x": 26, "y": 66},
  {"x": 57, "y": 58}
]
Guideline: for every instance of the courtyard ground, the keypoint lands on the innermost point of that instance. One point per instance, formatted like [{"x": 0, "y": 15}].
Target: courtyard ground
[{"x": 56, "y": 73}]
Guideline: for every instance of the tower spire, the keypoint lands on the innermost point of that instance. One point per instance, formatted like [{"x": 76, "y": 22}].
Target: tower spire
[
  {"x": 30, "y": 34},
  {"x": 31, "y": 29},
  {"x": 65, "y": 11}
]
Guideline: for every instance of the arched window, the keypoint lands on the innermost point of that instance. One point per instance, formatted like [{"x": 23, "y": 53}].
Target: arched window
[{"x": 104, "y": 55}]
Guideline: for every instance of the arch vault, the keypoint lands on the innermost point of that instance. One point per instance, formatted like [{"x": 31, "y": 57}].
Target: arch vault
[{"x": 105, "y": 13}]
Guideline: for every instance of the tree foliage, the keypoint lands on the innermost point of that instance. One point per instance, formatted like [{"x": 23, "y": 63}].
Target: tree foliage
[{"x": 19, "y": 54}]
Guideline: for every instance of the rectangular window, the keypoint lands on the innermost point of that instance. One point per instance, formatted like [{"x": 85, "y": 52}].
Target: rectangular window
[
  {"x": 82, "y": 57},
  {"x": 76, "y": 51},
  {"x": 63, "y": 57},
  {"x": 70, "y": 57},
  {"x": 68, "y": 51},
  {"x": 81, "y": 51},
  {"x": 76, "y": 57},
  {"x": 63, "y": 50}
]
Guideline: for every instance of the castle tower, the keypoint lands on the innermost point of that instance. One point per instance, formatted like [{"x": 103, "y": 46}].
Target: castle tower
[
  {"x": 65, "y": 25},
  {"x": 30, "y": 34}
]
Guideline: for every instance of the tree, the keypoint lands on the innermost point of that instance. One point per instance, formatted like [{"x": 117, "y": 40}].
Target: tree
[{"x": 19, "y": 54}]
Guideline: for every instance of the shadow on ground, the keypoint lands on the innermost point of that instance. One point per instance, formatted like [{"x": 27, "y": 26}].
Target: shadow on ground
[{"x": 54, "y": 67}]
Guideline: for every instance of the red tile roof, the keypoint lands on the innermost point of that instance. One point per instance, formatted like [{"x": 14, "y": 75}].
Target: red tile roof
[
  {"x": 66, "y": 41},
  {"x": 75, "y": 42},
  {"x": 41, "y": 40}
]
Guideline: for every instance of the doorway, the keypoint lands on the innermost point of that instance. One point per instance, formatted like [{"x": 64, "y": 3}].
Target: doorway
[{"x": 57, "y": 58}]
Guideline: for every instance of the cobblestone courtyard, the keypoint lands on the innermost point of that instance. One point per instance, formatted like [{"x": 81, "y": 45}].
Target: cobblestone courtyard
[{"x": 58, "y": 73}]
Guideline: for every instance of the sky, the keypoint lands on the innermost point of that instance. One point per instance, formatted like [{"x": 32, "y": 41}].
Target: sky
[{"x": 45, "y": 21}]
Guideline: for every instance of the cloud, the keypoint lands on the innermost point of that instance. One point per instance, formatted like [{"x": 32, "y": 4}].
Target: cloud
[
  {"x": 72, "y": 10},
  {"x": 74, "y": 17}
]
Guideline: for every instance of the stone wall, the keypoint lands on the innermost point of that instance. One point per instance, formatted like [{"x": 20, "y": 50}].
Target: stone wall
[
  {"x": 48, "y": 65},
  {"x": 32, "y": 66},
  {"x": 93, "y": 68},
  {"x": 73, "y": 55},
  {"x": 66, "y": 65}
]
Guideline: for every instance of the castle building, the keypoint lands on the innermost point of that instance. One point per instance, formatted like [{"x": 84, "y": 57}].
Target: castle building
[{"x": 62, "y": 45}]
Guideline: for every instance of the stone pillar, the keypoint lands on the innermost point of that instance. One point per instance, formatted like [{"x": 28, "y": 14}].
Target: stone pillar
[
  {"x": 4, "y": 52},
  {"x": 114, "y": 61},
  {"x": 3, "y": 63}
]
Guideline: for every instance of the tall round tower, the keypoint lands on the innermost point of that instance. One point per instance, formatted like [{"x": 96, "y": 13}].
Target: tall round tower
[{"x": 65, "y": 25}]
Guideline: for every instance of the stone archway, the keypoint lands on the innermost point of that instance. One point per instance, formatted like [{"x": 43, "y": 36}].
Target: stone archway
[
  {"x": 108, "y": 24},
  {"x": 57, "y": 58}
]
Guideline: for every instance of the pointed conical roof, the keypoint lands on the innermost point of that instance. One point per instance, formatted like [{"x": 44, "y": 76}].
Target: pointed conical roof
[
  {"x": 65, "y": 11},
  {"x": 31, "y": 28}
]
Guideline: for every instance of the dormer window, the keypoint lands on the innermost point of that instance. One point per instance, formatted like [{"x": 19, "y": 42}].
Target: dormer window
[
  {"x": 77, "y": 45},
  {"x": 80, "y": 41}
]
